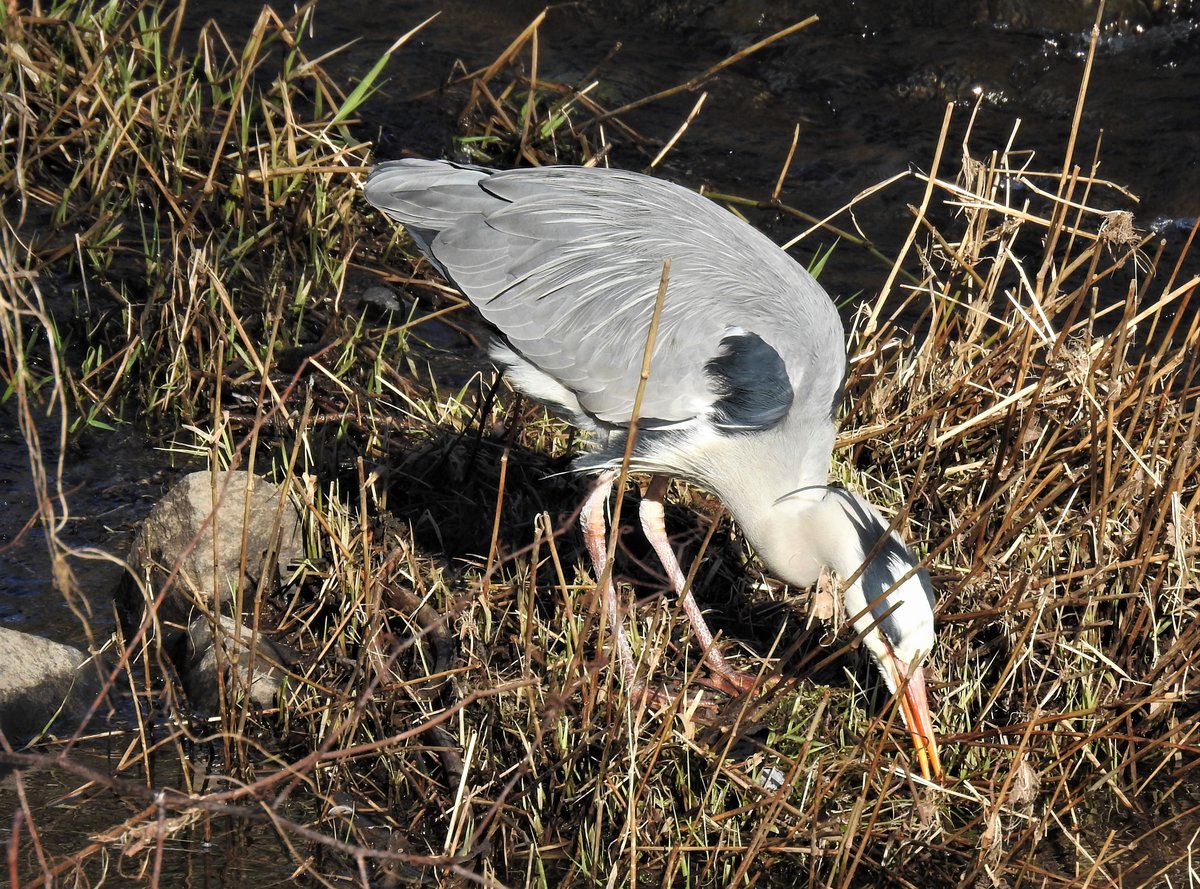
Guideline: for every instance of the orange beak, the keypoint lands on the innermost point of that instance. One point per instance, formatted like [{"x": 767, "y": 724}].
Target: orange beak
[{"x": 915, "y": 708}]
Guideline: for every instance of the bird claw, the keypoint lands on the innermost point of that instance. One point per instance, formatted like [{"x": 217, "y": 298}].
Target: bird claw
[
  {"x": 736, "y": 683},
  {"x": 665, "y": 699},
  {"x": 733, "y": 685}
]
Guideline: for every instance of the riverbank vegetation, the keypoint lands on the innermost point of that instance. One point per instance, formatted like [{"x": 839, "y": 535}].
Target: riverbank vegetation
[{"x": 184, "y": 247}]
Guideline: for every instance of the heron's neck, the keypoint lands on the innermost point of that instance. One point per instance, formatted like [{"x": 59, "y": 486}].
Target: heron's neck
[
  {"x": 803, "y": 534},
  {"x": 756, "y": 477}
]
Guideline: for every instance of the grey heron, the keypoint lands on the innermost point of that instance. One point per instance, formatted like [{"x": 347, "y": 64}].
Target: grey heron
[{"x": 746, "y": 374}]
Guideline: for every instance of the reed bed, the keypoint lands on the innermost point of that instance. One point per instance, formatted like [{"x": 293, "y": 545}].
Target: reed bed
[{"x": 184, "y": 246}]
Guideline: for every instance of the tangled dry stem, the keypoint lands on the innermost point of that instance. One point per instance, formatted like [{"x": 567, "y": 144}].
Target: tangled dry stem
[{"x": 1022, "y": 398}]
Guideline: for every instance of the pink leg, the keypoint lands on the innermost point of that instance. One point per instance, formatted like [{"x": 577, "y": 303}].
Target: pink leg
[
  {"x": 654, "y": 527},
  {"x": 595, "y": 535}
]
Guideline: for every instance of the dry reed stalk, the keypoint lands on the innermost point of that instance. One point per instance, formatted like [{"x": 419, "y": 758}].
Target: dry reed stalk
[{"x": 1025, "y": 402}]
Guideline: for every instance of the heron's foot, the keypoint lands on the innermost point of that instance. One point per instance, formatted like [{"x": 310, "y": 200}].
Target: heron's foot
[
  {"x": 699, "y": 702},
  {"x": 705, "y": 697},
  {"x": 737, "y": 682}
]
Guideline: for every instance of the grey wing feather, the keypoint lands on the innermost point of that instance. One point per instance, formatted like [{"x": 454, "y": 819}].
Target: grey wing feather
[{"x": 566, "y": 263}]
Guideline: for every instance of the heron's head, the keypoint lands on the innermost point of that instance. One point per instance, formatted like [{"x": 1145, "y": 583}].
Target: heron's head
[
  {"x": 890, "y": 603},
  {"x": 891, "y": 599},
  {"x": 888, "y": 596}
]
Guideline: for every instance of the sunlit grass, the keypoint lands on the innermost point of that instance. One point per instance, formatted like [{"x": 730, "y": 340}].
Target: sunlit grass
[{"x": 1022, "y": 399}]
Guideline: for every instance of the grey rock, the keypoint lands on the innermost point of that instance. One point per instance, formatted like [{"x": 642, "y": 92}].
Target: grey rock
[
  {"x": 205, "y": 549},
  {"x": 42, "y": 684},
  {"x": 382, "y": 298},
  {"x": 210, "y": 540},
  {"x": 248, "y": 667}
]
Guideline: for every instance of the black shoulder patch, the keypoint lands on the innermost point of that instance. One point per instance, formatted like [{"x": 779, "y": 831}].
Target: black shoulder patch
[{"x": 752, "y": 381}]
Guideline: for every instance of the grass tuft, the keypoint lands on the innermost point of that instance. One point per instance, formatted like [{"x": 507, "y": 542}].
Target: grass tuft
[{"x": 183, "y": 244}]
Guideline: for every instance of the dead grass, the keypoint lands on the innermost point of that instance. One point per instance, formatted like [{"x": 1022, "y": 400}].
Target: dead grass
[{"x": 1024, "y": 391}]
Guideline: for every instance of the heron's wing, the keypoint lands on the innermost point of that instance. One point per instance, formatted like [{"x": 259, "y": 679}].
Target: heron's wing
[{"x": 566, "y": 263}]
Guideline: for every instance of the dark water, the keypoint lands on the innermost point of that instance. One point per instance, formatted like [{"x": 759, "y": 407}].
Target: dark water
[
  {"x": 868, "y": 87},
  {"x": 205, "y": 853},
  {"x": 109, "y": 482}
]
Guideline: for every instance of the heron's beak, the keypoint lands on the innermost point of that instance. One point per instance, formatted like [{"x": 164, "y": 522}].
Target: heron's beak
[{"x": 915, "y": 707}]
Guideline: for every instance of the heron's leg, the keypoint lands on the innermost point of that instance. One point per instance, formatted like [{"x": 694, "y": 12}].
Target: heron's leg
[
  {"x": 595, "y": 535},
  {"x": 655, "y": 529}
]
